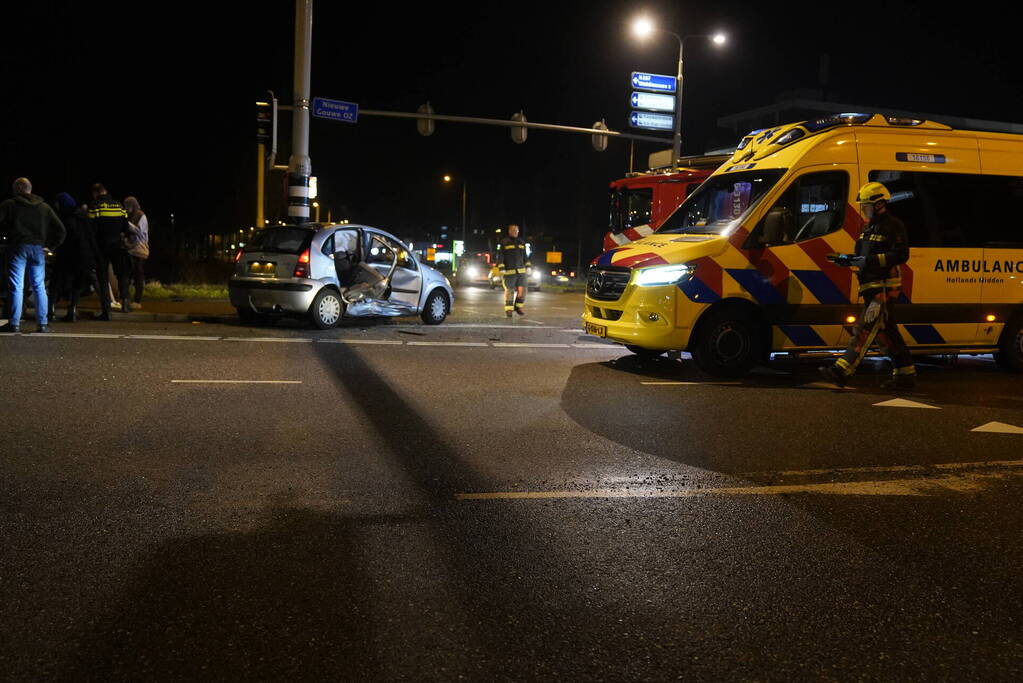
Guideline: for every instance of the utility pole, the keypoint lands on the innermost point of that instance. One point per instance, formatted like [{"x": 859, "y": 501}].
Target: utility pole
[{"x": 300, "y": 167}]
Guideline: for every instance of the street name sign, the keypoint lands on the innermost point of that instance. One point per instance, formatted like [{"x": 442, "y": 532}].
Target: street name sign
[
  {"x": 653, "y": 101},
  {"x": 651, "y": 121},
  {"x": 653, "y": 82},
  {"x": 335, "y": 110}
]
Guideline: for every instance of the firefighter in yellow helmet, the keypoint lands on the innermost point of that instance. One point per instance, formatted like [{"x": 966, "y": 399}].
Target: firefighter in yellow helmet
[
  {"x": 882, "y": 247},
  {"x": 515, "y": 267}
]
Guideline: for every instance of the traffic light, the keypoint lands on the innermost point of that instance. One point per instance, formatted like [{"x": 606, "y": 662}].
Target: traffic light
[{"x": 266, "y": 124}]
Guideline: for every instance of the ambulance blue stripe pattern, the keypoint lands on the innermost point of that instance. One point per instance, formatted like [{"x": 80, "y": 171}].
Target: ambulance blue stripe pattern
[
  {"x": 696, "y": 290},
  {"x": 925, "y": 334},
  {"x": 802, "y": 335},
  {"x": 821, "y": 286},
  {"x": 757, "y": 285}
]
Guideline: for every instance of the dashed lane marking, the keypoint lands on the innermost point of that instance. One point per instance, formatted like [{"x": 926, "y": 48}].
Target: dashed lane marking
[
  {"x": 74, "y": 335},
  {"x": 903, "y": 403},
  {"x": 998, "y": 428},
  {"x": 444, "y": 343},
  {"x": 286, "y": 340},
  {"x": 235, "y": 381},
  {"x": 511, "y": 345},
  {"x": 387, "y": 342},
  {"x": 170, "y": 337}
]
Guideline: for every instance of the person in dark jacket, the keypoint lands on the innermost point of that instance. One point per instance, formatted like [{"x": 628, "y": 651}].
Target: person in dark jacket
[
  {"x": 30, "y": 226},
  {"x": 109, "y": 222},
  {"x": 77, "y": 257},
  {"x": 883, "y": 246},
  {"x": 514, "y": 266}
]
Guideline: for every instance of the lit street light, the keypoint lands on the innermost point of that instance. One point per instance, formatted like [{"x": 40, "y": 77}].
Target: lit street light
[
  {"x": 448, "y": 179},
  {"x": 642, "y": 28},
  {"x": 316, "y": 205}
]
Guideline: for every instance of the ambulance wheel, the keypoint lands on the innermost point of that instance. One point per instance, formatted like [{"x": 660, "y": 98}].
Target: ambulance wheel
[
  {"x": 1010, "y": 348},
  {"x": 327, "y": 309},
  {"x": 644, "y": 353},
  {"x": 728, "y": 344}
]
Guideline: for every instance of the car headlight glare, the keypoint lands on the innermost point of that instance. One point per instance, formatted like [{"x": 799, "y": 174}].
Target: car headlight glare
[
  {"x": 664, "y": 275},
  {"x": 535, "y": 275}
]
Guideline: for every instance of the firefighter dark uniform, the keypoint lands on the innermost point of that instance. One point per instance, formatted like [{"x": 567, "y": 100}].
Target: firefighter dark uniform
[
  {"x": 514, "y": 266},
  {"x": 109, "y": 223},
  {"x": 882, "y": 247}
]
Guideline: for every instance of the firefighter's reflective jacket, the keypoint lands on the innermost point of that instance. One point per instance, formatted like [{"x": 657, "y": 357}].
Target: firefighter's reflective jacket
[
  {"x": 511, "y": 256},
  {"x": 885, "y": 245},
  {"x": 108, "y": 219}
]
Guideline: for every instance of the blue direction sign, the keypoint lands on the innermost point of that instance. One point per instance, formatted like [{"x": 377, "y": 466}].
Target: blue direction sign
[
  {"x": 653, "y": 101},
  {"x": 335, "y": 110},
  {"x": 650, "y": 121},
  {"x": 653, "y": 82}
]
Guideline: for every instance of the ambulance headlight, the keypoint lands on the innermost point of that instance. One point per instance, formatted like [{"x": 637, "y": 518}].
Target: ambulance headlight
[{"x": 664, "y": 275}]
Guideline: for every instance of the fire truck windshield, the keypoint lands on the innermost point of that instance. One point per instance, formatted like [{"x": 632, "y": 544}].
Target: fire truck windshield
[
  {"x": 721, "y": 202},
  {"x": 630, "y": 207}
]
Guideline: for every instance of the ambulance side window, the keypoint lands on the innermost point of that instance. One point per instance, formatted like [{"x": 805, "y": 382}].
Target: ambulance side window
[
  {"x": 814, "y": 205},
  {"x": 939, "y": 209},
  {"x": 1002, "y": 211}
]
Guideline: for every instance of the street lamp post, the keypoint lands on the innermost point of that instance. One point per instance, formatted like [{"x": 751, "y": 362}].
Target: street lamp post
[
  {"x": 465, "y": 186},
  {"x": 643, "y": 28}
]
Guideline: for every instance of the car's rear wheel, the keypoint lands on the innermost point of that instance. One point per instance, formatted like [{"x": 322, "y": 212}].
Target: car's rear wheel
[
  {"x": 1010, "y": 347},
  {"x": 436, "y": 308},
  {"x": 728, "y": 344},
  {"x": 327, "y": 309}
]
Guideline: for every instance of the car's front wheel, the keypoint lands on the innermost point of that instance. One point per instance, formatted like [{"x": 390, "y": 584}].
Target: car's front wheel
[
  {"x": 436, "y": 308},
  {"x": 327, "y": 309}
]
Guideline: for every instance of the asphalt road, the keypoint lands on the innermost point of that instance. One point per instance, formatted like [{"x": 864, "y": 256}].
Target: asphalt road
[{"x": 493, "y": 499}]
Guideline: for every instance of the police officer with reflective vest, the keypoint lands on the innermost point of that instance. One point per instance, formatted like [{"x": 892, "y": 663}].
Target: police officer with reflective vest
[
  {"x": 882, "y": 247},
  {"x": 514, "y": 266},
  {"x": 109, "y": 223}
]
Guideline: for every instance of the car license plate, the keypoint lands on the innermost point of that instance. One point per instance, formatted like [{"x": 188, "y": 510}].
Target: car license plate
[
  {"x": 268, "y": 269},
  {"x": 598, "y": 330}
]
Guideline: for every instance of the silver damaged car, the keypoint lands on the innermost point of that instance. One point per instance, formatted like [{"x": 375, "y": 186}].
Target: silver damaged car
[{"x": 326, "y": 272}]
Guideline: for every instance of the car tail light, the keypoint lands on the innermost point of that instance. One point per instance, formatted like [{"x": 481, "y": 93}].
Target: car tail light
[{"x": 302, "y": 269}]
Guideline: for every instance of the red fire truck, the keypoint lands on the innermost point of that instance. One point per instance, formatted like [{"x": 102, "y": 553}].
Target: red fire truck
[{"x": 640, "y": 202}]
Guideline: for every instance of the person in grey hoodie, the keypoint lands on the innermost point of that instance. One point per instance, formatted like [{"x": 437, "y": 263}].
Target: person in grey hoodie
[{"x": 30, "y": 226}]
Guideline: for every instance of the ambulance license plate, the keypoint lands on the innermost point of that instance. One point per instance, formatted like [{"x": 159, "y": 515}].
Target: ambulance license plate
[{"x": 597, "y": 330}]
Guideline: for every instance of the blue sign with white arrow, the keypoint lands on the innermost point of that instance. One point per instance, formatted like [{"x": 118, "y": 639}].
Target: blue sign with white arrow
[
  {"x": 335, "y": 110},
  {"x": 651, "y": 121},
  {"x": 653, "y": 82},
  {"x": 653, "y": 101}
]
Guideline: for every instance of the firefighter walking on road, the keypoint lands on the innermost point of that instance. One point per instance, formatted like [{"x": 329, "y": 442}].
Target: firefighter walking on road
[
  {"x": 882, "y": 247},
  {"x": 514, "y": 266}
]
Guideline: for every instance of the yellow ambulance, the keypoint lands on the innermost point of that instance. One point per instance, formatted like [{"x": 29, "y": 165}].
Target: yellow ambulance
[{"x": 741, "y": 269}]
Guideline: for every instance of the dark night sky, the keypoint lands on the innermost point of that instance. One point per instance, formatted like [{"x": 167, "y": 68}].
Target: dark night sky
[{"x": 156, "y": 99}]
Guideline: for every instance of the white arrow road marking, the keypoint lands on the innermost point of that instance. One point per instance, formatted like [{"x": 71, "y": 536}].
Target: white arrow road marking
[
  {"x": 998, "y": 428},
  {"x": 903, "y": 403}
]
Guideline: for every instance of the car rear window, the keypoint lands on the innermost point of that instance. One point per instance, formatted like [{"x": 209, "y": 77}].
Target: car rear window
[{"x": 280, "y": 240}]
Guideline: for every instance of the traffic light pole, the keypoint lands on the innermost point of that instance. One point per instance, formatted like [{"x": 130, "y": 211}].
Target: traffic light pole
[{"x": 300, "y": 167}]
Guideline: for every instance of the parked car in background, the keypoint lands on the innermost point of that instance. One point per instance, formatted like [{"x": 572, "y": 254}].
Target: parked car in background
[{"x": 326, "y": 272}]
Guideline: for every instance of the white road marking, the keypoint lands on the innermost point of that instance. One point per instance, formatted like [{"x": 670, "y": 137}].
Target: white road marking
[
  {"x": 998, "y": 428},
  {"x": 171, "y": 337},
  {"x": 888, "y": 487},
  {"x": 286, "y": 340},
  {"x": 983, "y": 464},
  {"x": 76, "y": 335},
  {"x": 903, "y": 403},
  {"x": 607, "y": 347},
  {"x": 724, "y": 384},
  {"x": 528, "y": 345},
  {"x": 235, "y": 381},
  {"x": 444, "y": 343},
  {"x": 390, "y": 342}
]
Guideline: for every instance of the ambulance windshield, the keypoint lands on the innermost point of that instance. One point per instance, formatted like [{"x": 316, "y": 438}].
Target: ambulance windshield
[{"x": 721, "y": 202}]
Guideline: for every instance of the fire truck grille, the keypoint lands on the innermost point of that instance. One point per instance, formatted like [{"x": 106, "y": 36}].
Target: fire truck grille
[{"x": 607, "y": 283}]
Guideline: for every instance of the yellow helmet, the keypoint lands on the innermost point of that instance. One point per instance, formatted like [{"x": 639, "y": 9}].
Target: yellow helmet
[{"x": 873, "y": 192}]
